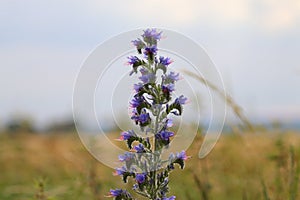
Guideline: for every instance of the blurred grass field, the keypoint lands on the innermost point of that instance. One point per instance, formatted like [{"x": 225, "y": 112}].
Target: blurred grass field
[{"x": 57, "y": 166}]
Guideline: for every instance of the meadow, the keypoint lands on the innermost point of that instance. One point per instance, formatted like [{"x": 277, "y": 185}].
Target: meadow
[{"x": 249, "y": 166}]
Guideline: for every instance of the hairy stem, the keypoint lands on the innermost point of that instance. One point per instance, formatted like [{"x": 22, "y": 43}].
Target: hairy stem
[{"x": 156, "y": 157}]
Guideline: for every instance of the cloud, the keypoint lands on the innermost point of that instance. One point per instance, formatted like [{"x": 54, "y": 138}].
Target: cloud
[
  {"x": 41, "y": 21},
  {"x": 279, "y": 15},
  {"x": 267, "y": 15},
  {"x": 39, "y": 41},
  {"x": 174, "y": 11},
  {"x": 38, "y": 80}
]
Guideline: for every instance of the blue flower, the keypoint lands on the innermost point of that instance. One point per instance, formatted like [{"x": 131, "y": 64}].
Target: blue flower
[
  {"x": 143, "y": 118},
  {"x": 140, "y": 178},
  {"x": 137, "y": 87},
  {"x": 169, "y": 123},
  {"x": 169, "y": 198},
  {"x": 170, "y": 78},
  {"x": 139, "y": 44},
  {"x": 168, "y": 88},
  {"x": 165, "y": 61},
  {"x": 144, "y": 71},
  {"x": 136, "y": 101},
  {"x": 151, "y": 49},
  {"x": 181, "y": 100},
  {"x": 173, "y": 76},
  {"x": 116, "y": 192},
  {"x": 148, "y": 78},
  {"x": 151, "y": 36},
  {"x": 152, "y": 33},
  {"x": 135, "y": 116},
  {"x": 127, "y": 135},
  {"x": 126, "y": 157},
  {"x": 182, "y": 156},
  {"x": 132, "y": 60},
  {"x": 149, "y": 52},
  {"x": 119, "y": 193},
  {"x": 120, "y": 171},
  {"x": 165, "y": 135},
  {"x": 151, "y": 99},
  {"x": 171, "y": 166},
  {"x": 139, "y": 148}
]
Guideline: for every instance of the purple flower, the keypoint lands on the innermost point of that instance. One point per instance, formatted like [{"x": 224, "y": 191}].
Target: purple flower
[
  {"x": 132, "y": 60},
  {"x": 140, "y": 178},
  {"x": 137, "y": 87},
  {"x": 150, "y": 51},
  {"x": 120, "y": 171},
  {"x": 144, "y": 71},
  {"x": 138, "y": 43},
  {"x": 127, "y": 135},
  {"x": 169, "y": 123},
  {"x": 152, "y": 33},
  {"x": 136, "y": 101},
  {"x": 119, "y": 193},
  {"x": 126, "y": 157},
  {"x": 168, "y": 88},
  {"x": 143, "y": 118},
  {"x": 151, "y": 36},
  {"x": 173, "y": 76},
  {"x": 169, "y": 198},
  {"x": 151, "y": 99},
  {"x": 181, "y": 100},
  {"x": 165, "y": 135},
  {"x": 135, "y": 115},
  {"x": 165, "y": 61},
  {"x": 182, "y": 156},
  {"x": 116, "y": 192},
  {"x": 139, "y": 148},
  {"x": 170, "y": 78},
  {"x": 148, "y": 78}
]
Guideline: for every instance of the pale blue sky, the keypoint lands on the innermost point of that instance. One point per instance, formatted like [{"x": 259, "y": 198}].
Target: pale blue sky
[{"x": 255, "y": 44}]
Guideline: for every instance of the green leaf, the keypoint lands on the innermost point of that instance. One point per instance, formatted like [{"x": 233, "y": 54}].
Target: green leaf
[
  {"x": 118, "y": 198},
  {"x": 147, "y": 88},
  {"x": 126, "y": 175},
  {"x": 130, "y": 141},
  {"x": 179, "y": 162},
  {"x": 162, "y": 67},
  {"x": 141, "y": 106},
  {"x": 137, "y": 64},
  {"x": 174, "y": 108}
]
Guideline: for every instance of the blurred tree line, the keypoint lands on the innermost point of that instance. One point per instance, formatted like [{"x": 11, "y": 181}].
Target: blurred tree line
[{"x": 17, "y": 125}]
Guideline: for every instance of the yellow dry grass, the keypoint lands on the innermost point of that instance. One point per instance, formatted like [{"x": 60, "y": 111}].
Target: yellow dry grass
[{"x": 235, "y": 168}]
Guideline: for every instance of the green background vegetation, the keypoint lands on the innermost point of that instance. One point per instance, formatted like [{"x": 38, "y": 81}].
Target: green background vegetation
[{"x": 260, "y": 165}]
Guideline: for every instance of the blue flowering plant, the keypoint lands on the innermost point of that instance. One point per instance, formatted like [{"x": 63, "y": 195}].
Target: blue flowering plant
[{"x": 152, "y": 108}]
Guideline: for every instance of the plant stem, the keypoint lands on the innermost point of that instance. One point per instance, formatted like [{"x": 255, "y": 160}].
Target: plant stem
[{"x": 154, "y": 189}]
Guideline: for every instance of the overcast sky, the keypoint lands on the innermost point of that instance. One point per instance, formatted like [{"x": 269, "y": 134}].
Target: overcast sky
[{"x": 254, "y": 43}]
